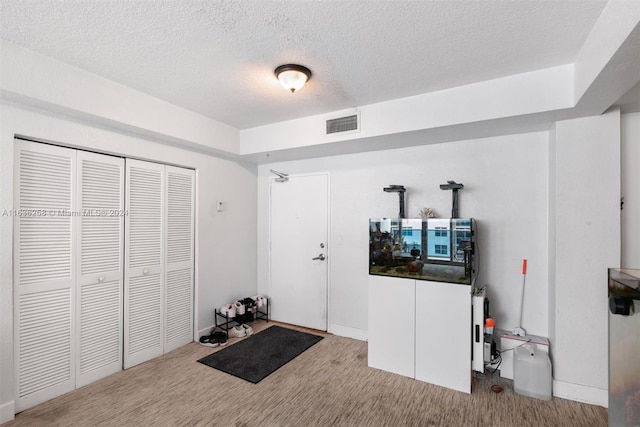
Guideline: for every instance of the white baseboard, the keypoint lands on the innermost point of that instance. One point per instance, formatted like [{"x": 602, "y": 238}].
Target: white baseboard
[
  {"x": 349, "y": 332},
  {"x": 7, "y": 412},
  {"x": 581, "y": 393}
]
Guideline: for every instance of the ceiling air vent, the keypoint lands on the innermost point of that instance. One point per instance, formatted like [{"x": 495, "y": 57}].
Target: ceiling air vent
[{"x": 342, "y": 124}]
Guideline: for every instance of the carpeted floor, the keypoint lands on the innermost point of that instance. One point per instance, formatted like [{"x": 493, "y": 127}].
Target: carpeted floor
[{"x": 329, "y": 384}]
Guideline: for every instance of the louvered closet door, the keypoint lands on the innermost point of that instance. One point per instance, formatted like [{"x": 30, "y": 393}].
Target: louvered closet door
[
  {"x": 144, "y": 266},
  {"x": 44, "y": 272},
  {"x": 179, "y": 258},
  {"x": 100, "y": 266}
]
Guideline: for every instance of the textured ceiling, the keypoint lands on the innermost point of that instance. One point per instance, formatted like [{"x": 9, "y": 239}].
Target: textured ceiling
[{"x": 217, "y": 57}]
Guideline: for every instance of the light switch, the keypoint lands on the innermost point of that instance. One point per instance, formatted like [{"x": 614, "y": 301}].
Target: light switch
[{"x": 219, "y": 206}]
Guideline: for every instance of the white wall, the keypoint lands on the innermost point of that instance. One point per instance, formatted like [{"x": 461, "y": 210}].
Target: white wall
[
  {"x": 225, "y": 241},
  {"x": 630, "y": 189},
  {"x": 586, "y": 243},
  {"x": 505, "y": 181}
]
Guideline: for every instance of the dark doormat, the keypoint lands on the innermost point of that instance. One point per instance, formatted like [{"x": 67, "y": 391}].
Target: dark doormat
[{"x": 257, "y": 356}]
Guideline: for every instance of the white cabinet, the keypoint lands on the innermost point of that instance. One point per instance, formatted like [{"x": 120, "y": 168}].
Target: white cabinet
[
  {"x": 392, "y": 325},
  {"x": 443, "y": 334},
  {"x": 421, "y": 329}
]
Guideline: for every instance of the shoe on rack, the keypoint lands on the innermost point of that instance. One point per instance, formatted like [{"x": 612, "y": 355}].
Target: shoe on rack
[
  {"x": 209, "y": 340},
  {"x": 239, "y": 306},
  {"x": 255, "y": 300},
  {"x": 237, "y": 332},
  {"x": 258, "y": 300},
  {"x": 228, "y": 310},
  {"x": 248, "y": 329}
]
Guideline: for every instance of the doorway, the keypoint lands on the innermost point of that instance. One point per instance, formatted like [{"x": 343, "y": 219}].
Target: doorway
[{"x": 298, "y": 256}]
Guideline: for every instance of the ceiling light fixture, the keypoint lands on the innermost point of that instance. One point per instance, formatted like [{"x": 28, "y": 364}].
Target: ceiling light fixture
[{"x": 292, "y": 76}]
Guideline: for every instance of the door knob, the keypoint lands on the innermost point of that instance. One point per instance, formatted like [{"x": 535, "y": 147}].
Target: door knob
[{"x": 321, "y": 257}]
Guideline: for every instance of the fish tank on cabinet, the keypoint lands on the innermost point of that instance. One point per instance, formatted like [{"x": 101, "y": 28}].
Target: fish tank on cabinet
[{"x": 436, "y": 249}]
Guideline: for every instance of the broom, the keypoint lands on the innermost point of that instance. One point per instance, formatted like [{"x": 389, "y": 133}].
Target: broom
[{"x": 518, "y": 329}]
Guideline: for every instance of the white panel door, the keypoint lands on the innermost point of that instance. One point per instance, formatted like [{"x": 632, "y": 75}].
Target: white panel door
[
  {"x": 298, "y": 257},
  {"x": 44, "y": 272},
  {"x": 100, "y": 266},
  {"x": 443, "y": 334},
  {"x": 144, "y": 262},
  {"x": 392, "y": 324},
  {"x": 178, "y": 325}
]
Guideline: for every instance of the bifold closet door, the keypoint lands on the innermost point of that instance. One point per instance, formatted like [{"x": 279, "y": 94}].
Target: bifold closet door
[
  {"x": 179, "y": 261},
  {"x": 44, "y": 272},
  {"x": 100, "y": 266},
  {"x": 159, "y": 260},
  {"x": 144, "y": 262},
  {"x": 103, "y": 266}
]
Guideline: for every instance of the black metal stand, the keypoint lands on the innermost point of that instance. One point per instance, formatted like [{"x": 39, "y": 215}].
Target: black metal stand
[
  {"x": 453, "y": 186},
  {"x": 400, "y": 190},
  {"x": 225, "y": 325}
]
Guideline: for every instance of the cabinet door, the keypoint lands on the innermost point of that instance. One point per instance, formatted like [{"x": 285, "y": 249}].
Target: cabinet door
[
  {"x": 179, "y": 266},
  {"x": 100, "y": 266},
  {"x": 44, "y": 272},
  {"x": 144, "y": 262},
  {"x": 443, "y": 334},
  {"x": 392, "y": 324}
]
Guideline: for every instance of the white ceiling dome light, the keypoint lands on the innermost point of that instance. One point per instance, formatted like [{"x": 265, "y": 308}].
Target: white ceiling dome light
[{"x": 292, "y": 76}]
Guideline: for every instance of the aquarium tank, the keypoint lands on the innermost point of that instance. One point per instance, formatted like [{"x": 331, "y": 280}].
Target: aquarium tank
[{"x": 437, "y": 249}]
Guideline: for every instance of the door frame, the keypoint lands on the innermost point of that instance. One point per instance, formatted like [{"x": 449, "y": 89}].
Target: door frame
[{"x": 300, "y": 175}]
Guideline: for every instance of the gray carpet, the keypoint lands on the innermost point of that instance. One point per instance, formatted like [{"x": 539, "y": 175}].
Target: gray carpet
[
  {"x": 327, "y": 385},
  {"x": 261, "y": 354}
]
